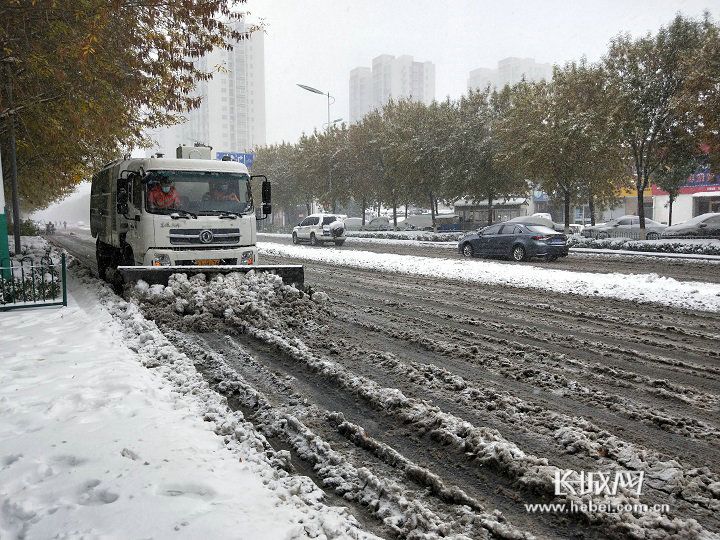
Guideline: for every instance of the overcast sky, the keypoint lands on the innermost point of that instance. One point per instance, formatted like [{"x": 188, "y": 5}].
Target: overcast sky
[{"x": 318, "y": 42}]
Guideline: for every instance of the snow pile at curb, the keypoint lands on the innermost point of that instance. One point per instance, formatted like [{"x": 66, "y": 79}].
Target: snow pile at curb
[
  {"x": 297, "y": 501},
  {"x": 687, "y": 246},
  {"x": 635, "y": 287}
]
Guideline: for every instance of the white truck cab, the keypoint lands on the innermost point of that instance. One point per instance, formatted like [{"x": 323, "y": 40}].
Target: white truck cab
[{"x": 170, "y": 212}]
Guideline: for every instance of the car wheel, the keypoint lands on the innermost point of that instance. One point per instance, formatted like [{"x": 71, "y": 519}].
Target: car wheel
[
  {"x": 518, "y": 253},
  {"x": 295, "y": 238},
  {"x": 313, "y": 239},
  {"x": 602, "y": 235},
  {"x": 467, "y": 250},
  {"x": 652, "y": 236}
]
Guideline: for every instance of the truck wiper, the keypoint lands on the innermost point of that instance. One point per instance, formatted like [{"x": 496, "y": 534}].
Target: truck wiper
[
  {"x": 177, "y": 214},
  {"x": 226, "y": 215}
]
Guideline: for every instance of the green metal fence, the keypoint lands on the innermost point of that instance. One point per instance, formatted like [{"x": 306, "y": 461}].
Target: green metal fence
[{"x": 28, "y": 282}]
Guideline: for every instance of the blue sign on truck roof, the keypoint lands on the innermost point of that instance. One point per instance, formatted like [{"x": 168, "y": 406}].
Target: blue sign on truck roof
[{"x": 240, "y": 157}]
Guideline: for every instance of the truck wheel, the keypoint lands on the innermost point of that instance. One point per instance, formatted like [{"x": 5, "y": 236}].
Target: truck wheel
[
  {"x": 313, "y": 240},
  {"x": 102, "y": 258},
  {"x": 295, "y": 238}
]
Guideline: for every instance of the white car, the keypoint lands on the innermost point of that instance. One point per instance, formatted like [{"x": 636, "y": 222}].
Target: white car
[{"x": 320, "y": 228}]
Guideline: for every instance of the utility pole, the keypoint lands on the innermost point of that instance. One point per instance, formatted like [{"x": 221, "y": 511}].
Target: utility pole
[{"x": 13, "y": 157}]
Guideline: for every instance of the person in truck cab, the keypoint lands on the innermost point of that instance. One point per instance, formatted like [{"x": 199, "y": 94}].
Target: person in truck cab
[
  {"x": 220, "y": 191},
  {"x": 163, "y": 195}
]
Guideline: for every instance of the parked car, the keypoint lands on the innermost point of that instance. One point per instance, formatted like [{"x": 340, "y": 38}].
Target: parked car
[
  {"x": 379, "y": 223},
  {"x": 702, "y": 226},
  {"x": 417, "y": 222},
  {"x": 624, "y": 227},
  {"x": 318, "y": 229},
  {"x": 518, "y": 241},
  {"x": 423, "y": 222},
  {"x": 353, "y": 223}
]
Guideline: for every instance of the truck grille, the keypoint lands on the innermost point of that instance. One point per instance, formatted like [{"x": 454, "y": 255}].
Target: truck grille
[{"x": 204, "y": 237}]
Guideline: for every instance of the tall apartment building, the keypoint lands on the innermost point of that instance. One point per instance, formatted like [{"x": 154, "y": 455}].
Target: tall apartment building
[
  {"x": 361, "y": 92},
  {"x": 509, "y": 71},
  {"x": 390, "y": 77},
  {"x": 231, "y": 117}
]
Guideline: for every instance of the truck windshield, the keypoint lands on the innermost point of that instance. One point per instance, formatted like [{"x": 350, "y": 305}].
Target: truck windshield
[{"x": 199, "y": 192}]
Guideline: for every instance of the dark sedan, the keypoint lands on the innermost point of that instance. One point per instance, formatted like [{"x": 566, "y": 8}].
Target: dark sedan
[
  {"x": 518, "y": 241},
  {"x": 702, "y": 226}
]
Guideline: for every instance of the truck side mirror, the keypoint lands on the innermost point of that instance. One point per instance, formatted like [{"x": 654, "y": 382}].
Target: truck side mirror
[
  {"x": 122, "y": 202},
  {"x": 266, "y": 197}
]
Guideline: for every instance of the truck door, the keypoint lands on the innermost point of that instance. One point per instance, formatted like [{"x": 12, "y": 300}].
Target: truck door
[{"x": 134, "y": 215}]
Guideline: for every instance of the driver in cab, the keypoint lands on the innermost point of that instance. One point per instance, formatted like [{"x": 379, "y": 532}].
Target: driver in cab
[
  {"x": 220, "y": 191},
  {"x": 163, "y": 195}
]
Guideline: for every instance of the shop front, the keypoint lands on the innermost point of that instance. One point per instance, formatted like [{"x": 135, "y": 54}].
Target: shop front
[{"x": 699, "y": 195}]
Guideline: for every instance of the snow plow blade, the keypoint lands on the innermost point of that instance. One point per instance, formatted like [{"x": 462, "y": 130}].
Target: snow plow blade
[{"x": 291, "y": 274}]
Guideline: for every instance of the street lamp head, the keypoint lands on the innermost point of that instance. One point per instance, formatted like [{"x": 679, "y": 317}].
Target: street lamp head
[{"x": 311, "y": 89}]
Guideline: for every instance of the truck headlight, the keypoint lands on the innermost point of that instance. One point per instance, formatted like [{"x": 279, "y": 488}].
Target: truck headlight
[
  {"x": 161, "y": 260},
  {"x": 248, "y": 257}
]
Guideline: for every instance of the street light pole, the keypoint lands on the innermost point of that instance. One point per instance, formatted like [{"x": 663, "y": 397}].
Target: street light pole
[
  {"x": 329, "y": 97},
  {"x": 4, "y": 248},
  {"x": 13, "y": 158}
]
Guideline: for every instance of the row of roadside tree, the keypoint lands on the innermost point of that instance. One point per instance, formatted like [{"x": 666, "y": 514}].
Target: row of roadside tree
[{"x": 648, "y": 112}]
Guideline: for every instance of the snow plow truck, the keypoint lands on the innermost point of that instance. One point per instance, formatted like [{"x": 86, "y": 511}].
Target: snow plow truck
[{"x": 154, "y": 217}]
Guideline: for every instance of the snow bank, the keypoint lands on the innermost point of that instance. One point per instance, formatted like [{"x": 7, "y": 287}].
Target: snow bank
[
  {"x": 95, "y": 445},
  {"x": 635, "y": 287}
]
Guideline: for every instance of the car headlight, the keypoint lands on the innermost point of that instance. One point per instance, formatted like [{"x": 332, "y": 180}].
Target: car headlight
[
  {"x": 161, "y": 260},
  {"x": 248, "y": 257}
]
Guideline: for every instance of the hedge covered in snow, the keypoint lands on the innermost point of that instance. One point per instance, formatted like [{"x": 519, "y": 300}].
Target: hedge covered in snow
[
  {"x": 422, "y": 236},
  {"x": 686, "y": 246}
]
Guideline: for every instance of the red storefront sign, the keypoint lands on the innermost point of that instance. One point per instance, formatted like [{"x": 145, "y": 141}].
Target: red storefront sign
[{"x": 697, "y": 183}]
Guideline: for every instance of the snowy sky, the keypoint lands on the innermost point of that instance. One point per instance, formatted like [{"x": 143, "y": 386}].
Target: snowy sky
[{"x": 318, "y": 42}]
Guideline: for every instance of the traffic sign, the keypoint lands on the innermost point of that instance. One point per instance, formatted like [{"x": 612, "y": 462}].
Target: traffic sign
[{"x": 240, "y": 157}]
